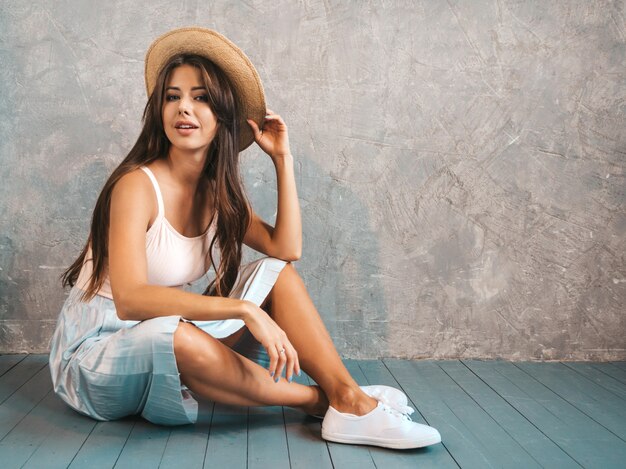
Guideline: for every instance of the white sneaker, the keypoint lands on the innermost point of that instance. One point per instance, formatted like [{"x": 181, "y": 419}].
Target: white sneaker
[
  {"x": 383, "y": 426},
  {"x": 387, "y": 394},
  {"x": 391, "y": 396}
]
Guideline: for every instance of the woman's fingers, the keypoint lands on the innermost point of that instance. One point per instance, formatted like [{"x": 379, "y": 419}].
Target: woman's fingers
[
  {"x": 293, "y": 363},
  {"x": 277, "y": 361},
  {"x": 273, "y": 354},
  {"x": 282, "y": 360},
  {"x": 255, "y": 129},
  {"x": 293, "y": 367},
  {"x": 283, "y": 357},
  {"x": 271, "y": 135},
  {"x": 275, "y": 341},
  {"x": 270, "y": 118},
  {"x": 296, "y": 363}
]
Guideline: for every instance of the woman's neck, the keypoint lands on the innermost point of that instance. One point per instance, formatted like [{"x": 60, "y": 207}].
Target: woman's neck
[{"x": 185, "y": 168}]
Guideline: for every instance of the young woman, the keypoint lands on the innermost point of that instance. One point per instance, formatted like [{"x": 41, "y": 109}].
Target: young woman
[{"x": 130, "y": 340}]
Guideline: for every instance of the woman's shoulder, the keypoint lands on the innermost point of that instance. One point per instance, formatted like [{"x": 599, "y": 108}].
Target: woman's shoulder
[
  {"x": 135, "y": 188},
  {"x": 134, "y": 181}
]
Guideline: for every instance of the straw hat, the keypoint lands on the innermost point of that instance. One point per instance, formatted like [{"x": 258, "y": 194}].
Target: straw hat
[{"x": 223, "y": 53}]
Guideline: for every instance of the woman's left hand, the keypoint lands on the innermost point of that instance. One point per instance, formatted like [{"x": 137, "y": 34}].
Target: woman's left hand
[{"x": 272, "y": 138}]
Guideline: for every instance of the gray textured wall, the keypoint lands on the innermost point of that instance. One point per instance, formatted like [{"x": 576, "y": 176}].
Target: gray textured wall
[{"x": 460, "y": 164}]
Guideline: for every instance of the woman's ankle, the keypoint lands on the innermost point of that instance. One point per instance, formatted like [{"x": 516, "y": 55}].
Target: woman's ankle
[
  {"x": 319, "y": 405},
  {"x": 352, "y": 400}
]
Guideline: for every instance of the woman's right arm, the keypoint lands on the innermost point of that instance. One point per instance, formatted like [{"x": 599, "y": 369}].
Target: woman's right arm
[{"x": 132, "y": 202}]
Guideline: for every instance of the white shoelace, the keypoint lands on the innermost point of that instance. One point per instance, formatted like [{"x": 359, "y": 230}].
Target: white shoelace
[
  {"x": 405, "y": 410},
  {"x": 394, "y": 411}
]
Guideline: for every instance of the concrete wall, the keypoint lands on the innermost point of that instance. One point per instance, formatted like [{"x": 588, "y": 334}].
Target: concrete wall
[{"x": 460, "y": 164}]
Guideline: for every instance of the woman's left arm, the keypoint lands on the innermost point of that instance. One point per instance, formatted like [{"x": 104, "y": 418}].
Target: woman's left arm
[{"x": 283, "y": 241}]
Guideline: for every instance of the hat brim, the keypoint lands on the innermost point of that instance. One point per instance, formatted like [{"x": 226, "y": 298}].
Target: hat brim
[{"x": 223, "y": 53}]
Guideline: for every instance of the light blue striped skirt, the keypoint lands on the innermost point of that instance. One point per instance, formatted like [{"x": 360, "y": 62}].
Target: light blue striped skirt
[{"x": 107, "y": 368}]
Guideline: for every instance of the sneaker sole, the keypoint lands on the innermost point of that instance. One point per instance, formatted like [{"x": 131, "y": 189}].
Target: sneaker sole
[{"x": 385, "y": 443}]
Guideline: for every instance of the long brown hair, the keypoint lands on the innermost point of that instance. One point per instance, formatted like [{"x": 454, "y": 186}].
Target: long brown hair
[{"x": 221, "y": 171}]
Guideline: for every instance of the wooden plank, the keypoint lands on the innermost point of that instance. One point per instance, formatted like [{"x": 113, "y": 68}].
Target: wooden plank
[
  {"x": 436, "y": 456},
  {"x": 621, "y": 365},
  {"x": 541, "y": 448},
  {"x": 21, "y": 402},
  {"x": 458, "y": 438},
  {"x": 50, "y": 425},
  {"x": 144, "y": 447},
  {"x": 9, "y": 361},
  {"x": 20, "y": 373},
  {"x": 23, "y": 439},
  {"x": 593, "y": 400},
  {"x": 228, "y": 437},
  {"x": 104, "y": 444},
  {"x": 503, "y": 450},
  {"x": 587, "y": 442},
  {"x": 267, "y": 441},
  {"x": 187, "y": 444},
  {"x": 548, "y": 423},
  {"x": 68, "y": 430},
  {"x": 610, "y": 369},
  {"x": 306, "y": 447},
  {"x": 602, "y": 379}
]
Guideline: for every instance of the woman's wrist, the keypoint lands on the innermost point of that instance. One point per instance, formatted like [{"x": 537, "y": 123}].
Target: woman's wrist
[
  {"x": 282, "y": 156},
  {"x": 247, "y": 310},
  {"x": 283, "y": 162}
]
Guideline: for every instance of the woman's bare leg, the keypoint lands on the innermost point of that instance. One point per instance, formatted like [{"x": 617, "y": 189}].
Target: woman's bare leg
[
  {"x": 292, "y": 309},
  {"x": 215, "y": 372}
]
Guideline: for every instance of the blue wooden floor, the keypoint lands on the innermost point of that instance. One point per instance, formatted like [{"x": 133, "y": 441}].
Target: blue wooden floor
[{"x": 489, "y": 413}]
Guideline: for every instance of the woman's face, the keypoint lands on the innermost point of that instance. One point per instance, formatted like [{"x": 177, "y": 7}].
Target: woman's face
[{"x": 186, "y": 105}]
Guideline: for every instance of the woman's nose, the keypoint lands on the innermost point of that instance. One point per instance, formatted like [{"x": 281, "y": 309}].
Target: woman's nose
[{"x": 183, "y": 105}]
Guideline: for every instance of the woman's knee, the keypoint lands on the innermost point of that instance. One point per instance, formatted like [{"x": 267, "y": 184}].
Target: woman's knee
[
  {"x": 287, "y": 273},
  {"x": 288, "y": 283},
  {"x": 193, "y": 346}
]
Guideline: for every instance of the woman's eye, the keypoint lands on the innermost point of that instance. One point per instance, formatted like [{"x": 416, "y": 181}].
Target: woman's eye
[{"x": 172, "y": 97}]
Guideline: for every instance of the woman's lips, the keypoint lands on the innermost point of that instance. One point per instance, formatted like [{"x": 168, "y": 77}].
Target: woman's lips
[{"x": 185, "y": 132}]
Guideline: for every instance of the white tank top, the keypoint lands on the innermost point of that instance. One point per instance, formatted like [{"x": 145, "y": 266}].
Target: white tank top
[{"x": 173, "y": 259}]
